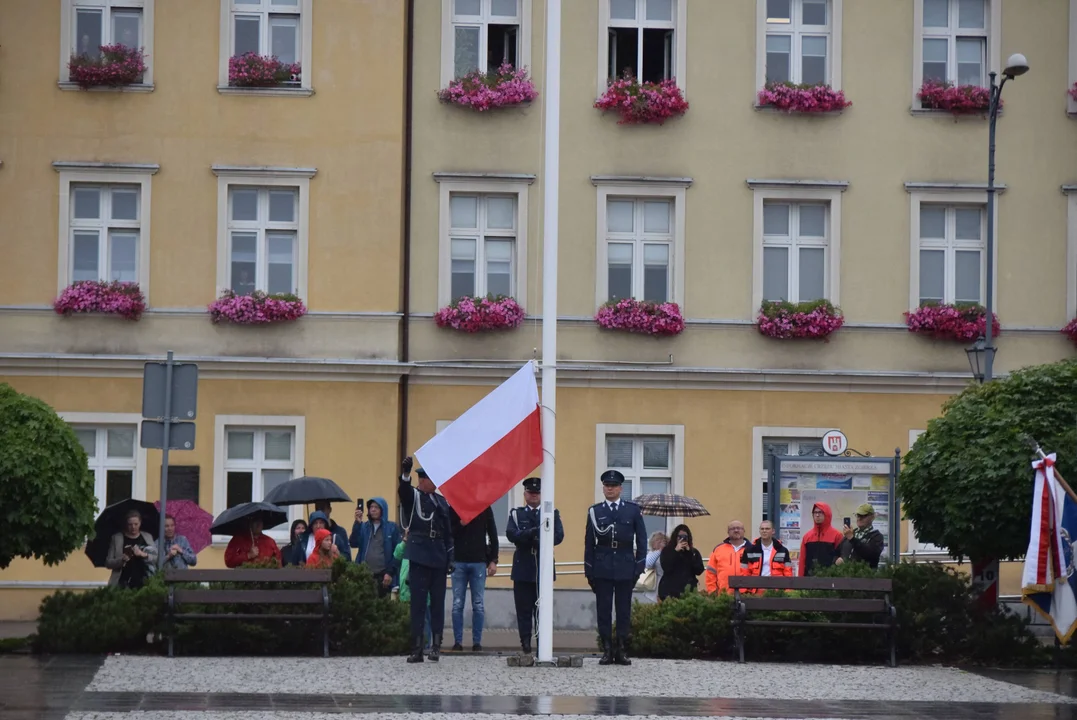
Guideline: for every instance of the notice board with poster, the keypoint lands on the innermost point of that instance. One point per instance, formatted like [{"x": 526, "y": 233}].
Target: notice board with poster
[{"x": 844, "y": 484}]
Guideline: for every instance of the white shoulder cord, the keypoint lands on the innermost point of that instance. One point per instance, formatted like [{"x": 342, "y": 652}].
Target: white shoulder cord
[
  {"x": 594, "y": 523},
  {"x": 416, "y": 509}
]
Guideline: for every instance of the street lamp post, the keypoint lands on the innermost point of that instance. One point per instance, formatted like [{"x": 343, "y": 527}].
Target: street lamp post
[{"x": 1015, "y": 66}]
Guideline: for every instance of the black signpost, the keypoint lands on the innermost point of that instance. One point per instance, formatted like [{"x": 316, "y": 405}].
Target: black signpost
[{"x": 169, "y": 404}]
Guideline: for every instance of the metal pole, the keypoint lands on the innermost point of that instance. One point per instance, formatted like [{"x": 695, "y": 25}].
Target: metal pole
[
  {"x": 993, "y": 108},
  {"x": 164, "y": 460},
  {"x": 551, "y": 168}
]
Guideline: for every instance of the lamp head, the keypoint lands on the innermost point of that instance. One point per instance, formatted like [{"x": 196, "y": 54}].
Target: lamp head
[{"x": 1016, "y": 65}]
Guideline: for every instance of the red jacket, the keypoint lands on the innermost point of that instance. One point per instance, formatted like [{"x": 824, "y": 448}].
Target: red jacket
[
  {"x": 238, "y": 547},
  {"x": 821, "y": 544}
]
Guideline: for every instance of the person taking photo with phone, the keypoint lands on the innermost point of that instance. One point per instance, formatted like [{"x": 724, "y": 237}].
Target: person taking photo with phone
[
  {"x": 681, "y": 564},
  {"x": 863, "y": 543}
]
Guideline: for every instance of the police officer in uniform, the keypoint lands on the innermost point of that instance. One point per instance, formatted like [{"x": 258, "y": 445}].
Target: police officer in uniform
[
  {"x": 425, "y": 515},
  {"x": 615, "y": 550},
  {"x": 523, "y": 530}
]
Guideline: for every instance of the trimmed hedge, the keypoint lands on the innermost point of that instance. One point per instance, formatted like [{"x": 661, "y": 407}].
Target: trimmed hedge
[{"x": 111, "y": 620}]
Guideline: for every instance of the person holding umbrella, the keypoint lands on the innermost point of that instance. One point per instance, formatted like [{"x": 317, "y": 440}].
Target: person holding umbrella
[
  {"x": 132, "y": 554},
  {"x": 178, "y": 551},
  {"x": 245, "y": 523}
]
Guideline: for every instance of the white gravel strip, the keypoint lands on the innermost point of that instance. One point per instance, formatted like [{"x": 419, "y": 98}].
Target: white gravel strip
[
  {"x": 492, "y": 676},
  {"x": 196, "y": 715}
]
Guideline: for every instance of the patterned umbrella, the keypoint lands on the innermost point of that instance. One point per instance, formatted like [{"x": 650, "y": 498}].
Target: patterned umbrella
[
  {"x": 192, "y": 522},
  {"x": 670, "y": 506}
]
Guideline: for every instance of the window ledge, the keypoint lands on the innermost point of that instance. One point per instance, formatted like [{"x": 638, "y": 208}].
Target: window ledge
[
  {"x": 134, "y": 88},
  {"x": 777, "y": 111},
  {"x": 931, "y": 112},
  {"x": 277, "y": 91}
]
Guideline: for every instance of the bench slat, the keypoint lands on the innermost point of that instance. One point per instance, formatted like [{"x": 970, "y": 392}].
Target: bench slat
[
  {"x": 246, "y": 616},
  {"x": 814, "y": 604},
  {"x": 248, "y": 597},
  {"x": 173, "y": 575},
  {"x": 824, "y": 625},
  {"x": 811, "y": 583}
]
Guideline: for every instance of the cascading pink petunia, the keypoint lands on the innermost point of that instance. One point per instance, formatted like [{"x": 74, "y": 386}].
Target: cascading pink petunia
[
  {"x": 802, "y": 98},
  {"x": 638, "y": 316},
  {"x": 943, "y": 321},
  {"x": 258, "y": 308},
  {"x": 106, "y": 298},
  {"x": 504, "y": 87},
  {"x": 646, "y": 102},
  {"x": 784, "y": 320},
  {"x": 118, "y": 65},
  {"x": 480, "y": 314},
  {"x": 254, "y": 70},
  {"x": 957, "y": 99}
]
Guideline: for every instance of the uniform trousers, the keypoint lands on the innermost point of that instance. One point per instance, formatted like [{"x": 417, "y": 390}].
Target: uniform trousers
[
  {"x": 609, "y": 593},
  {"x": 427, "y": 582},
  {"x": 526, "y": 595}
]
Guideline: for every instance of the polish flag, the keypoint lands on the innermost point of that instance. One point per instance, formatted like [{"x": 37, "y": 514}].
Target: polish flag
[{"x": 488, "y": 449}]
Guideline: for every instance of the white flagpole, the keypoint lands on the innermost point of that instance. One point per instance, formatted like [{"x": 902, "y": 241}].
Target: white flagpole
[{"x": 551, "y": 170}]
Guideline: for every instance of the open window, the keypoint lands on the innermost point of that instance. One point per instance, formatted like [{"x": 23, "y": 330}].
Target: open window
[{"x": 483, "y": 35}]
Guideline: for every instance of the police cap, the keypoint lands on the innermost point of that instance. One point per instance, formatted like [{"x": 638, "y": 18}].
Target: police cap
[
  {"x": 533, "y": 484},
  {"x": 612, "y": 477},
  {"x": 421, "y": 473}
]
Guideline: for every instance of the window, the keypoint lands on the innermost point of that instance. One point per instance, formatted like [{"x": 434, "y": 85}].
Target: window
[
  {"x": 254, "y": 454},
  {"x": 915, "y": 546},
  {"x": 483, "y": 35},
  {"x": 651, "y": 457},
  {"x": 483, "y": 236},
  {"x": 104, "y": 223},
  {"x": 957, "y": 41},
  {"x": 801, "y": 41},
  {"x": 281, "y": 28},
  {"x": 797, "y": 240},
  {"x": 794, "y": 251},
  {"x": 262, "y": 219},
  {"x": 113, "y": 453},
  {"x": 640, "y": 239},
  {"x": 642, "y": 38},
  {"x": 89, "y": 24},
  {"x": 783, "y": 446},
  {"x": 482, "y": 244},
  {"x": 951, "y": 253},
  {"x": 512, "y": 499}
]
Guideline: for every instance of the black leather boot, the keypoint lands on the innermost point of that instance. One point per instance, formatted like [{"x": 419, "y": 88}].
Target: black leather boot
[
  {"x": 416, "y": 650},
  {"x": 619, "y": 656},
  {"x": 435, "y": 649},
  {"x": 607, "y": 652},
  {"x": 525, "y": 646}
]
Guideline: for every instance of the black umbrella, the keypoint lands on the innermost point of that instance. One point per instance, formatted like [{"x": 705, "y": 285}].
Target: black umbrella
[
  {"x": 235, "y": 520},
  {"x": 112, "y": 520},
  {"x": 306, "y": 489}
]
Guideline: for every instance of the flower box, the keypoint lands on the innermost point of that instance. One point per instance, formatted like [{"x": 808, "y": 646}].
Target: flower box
[
  {"x": 504, "y": 87},
  {"x": 783, "y": 320},
  {"x": 105, "y": 298},
  {"x": 1073, "y": 91},
  {"x": 1070, "y": 331},
  {"x": 118, "y": 65},
  {"x": 646, "y": 102},
  {"x": 259, "y": 71},
  {"x": 959, "y": 99},
  {"x": 637, "y": 316},
  {"x": 962, "y": 323},
  {"x": 258, "y": 308},
  {"x": 480, "y": 314},
  {"x": 792, "y": 98}
]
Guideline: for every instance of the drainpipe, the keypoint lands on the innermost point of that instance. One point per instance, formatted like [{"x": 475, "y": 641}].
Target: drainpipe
[{"x": 405, "y": 294}]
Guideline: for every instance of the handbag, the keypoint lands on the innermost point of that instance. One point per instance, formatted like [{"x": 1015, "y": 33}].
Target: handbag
[{"x": 648, "y": 581}]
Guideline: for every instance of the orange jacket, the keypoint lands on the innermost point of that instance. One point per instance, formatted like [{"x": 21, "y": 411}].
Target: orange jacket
[
  {"x": 723, "y": 562},
  {"x": 751, "y": 560}
]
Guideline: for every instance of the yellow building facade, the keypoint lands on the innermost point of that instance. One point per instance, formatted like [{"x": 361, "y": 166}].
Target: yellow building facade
[{"x": 875, "y": 208}]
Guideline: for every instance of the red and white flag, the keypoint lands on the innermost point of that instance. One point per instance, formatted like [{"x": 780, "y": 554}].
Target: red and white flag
[{"x": 489, "y": 448}]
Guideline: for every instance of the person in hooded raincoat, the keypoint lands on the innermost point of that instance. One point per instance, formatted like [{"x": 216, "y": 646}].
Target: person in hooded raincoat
[
  {"x": 820, "y": 546},
  {"x": 325, "y": 550},
  {"x": 375, "y": 541}
]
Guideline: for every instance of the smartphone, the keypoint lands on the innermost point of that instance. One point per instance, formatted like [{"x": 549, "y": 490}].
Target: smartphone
[
  {"x": 359, "y": 503},
  {"x": 848, "y": 522}
]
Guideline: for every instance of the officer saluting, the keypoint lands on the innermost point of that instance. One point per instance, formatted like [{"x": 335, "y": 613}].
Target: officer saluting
[
  {"x": 611, "y": 563},
  {"x": 523, "y": 531},
  {"x": 429, "y": 550}
]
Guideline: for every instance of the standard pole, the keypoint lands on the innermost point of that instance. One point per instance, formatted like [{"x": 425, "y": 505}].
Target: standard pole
[
  {"x": 996, "y": 95},
  {"x": 164, "y": 460},
  {"x": 551, "y": 169}
]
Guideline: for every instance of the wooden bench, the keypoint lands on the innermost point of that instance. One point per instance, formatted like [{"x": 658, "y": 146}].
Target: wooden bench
[
  {"x": 317, "y": 598},
  {"x": 880, "y": 607}
]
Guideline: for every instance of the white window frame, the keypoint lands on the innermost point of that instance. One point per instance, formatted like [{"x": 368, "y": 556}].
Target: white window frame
[
  {"x": 306, "y": 37},
  {"x": 1071, "y": 250},
  {"x": 950, "y": 245},
  {"x": 448, "y": 39},
  {"x": 480, "y": 235},
  {"x": 262, "y": 227},
  {"x": 675, "y": 190},
  {"x": 914, "y": 544},
  {"x": 452, "y": 184},
  {"x": 104, "y": 174},
  {"x": 798, "y": 192},
  {"x": 759, "y": 463},
  {"x": 1071, "y": 104},
  {"x": 994, "y": 46},
  {"x": 947, "y": 196},
  {"x": 676, "y": 458},
  {"x": 97, "y": 420},
  {"x": 833, "y": 42},
  {"x": 679, "y": 71},
  {"x": 292, "y": 178},
  {"x": 221, "y": 425},
  {"x": 68, "y": 8},
  {"x": 639, "y": 239}
]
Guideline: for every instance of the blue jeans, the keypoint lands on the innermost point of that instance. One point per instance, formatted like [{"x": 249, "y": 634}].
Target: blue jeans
[{"x": 466, "y": 575}]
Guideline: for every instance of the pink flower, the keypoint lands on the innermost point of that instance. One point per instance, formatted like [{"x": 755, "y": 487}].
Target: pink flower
[
  {"x": 637, "y": 316},
  {"x": 960, "y": 99},
  {"x": 118, "y": 65},
  {"x": 503, "y": 87},
  {"x": 254, "y": 70},
  {"x": 963, "y": 323},
  {"x": 646, "y": 102},
  {"x": 1070, "y": 330},
  {"x": 93, "y": 296},
  {"x": 474, "y": 314},
  {"x": 258, "y": 308},
  {"x": 784, "y": 320},
  {"x": 802, "y": 98}
]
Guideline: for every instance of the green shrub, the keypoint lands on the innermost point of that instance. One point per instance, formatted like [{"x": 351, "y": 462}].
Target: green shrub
[
  {"x": 98, "y": 621},
  {"x": 696, "y": 625}
]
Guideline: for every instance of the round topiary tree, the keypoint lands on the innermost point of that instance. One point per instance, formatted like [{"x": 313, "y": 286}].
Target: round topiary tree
[
  {"x": 47, "y": 502},
  {"x": 967, "y": 482}
]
